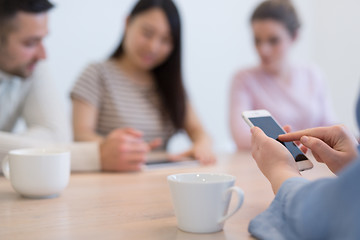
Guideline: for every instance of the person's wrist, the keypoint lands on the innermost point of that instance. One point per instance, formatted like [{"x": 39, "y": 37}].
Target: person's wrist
[{"x": 278, "y": 176}]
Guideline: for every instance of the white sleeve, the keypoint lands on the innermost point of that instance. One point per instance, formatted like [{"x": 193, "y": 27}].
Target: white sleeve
[
  {"x": 44, "y": 109},
  {"x": 10, "y": 141},
  {"x": 48, "y": 125},
  {"x": 85, "y": 156}
]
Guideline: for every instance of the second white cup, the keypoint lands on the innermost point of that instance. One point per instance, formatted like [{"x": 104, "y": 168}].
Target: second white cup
[{"x": 201, "y": 200}]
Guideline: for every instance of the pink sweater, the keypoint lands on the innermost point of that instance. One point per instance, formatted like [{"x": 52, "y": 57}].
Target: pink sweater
[{"x": 301, "y": 103}]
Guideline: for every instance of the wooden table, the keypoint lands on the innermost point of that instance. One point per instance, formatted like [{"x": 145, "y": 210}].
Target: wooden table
[{"x": 131, "y": 205}]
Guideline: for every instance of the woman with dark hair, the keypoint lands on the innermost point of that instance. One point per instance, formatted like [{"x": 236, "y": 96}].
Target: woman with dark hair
[
  {"x": 136, "y": 98},
  {"x": 294, "y": 94}
]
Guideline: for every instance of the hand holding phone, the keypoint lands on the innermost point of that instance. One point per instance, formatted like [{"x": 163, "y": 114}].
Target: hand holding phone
[{"x": 264, "y": 120}]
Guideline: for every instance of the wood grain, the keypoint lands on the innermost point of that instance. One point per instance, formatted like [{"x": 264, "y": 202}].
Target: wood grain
[{"x": 131, "y": 205}]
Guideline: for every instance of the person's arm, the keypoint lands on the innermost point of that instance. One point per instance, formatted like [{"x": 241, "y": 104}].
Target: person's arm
[
  {"x": 86, "y": 98},
  {"x": 202, "y": 145},
  {"x": 45, "y": 116},
  {"x": 273, "y": 159},
  {"x": 333, "y": 146},
  {"x": 10, "y": 141},
  {"x": 49, "y": 125},
  {"x": 240, "y": 101},
  {"x": 84, "y": 121},
  {"x": 44, "y": 110},
  {"x": 304, "y": 210},
  {"x": 84, "y": 156},
  {"x": 323, "y": 209},
  {"x": 122, "y": 149}
]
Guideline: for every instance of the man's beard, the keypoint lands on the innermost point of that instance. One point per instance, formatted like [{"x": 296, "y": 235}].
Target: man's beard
[{"x": 24, "y": 71}]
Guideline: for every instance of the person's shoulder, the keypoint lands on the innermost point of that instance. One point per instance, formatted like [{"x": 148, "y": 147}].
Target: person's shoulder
[
  {"x": 96, "y": 69},
  {"x": 245, "y": 77},
  {"x": 108, "y": 67},
  {"x": 246, "y": 74},
  {"x": 41, "y": 68},
  {"x": 41, "y": 74},
  {"x": 95, "y": 65},
  {"x": 309, "y": 69}
]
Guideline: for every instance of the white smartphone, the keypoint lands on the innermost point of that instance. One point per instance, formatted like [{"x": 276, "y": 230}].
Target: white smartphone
[{"x": 264, "y": 120}]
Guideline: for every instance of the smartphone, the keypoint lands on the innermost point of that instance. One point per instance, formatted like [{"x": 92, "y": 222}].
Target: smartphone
[{"x": 264, "y": 120}]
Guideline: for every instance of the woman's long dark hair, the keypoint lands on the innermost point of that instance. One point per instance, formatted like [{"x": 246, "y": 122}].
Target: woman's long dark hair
[{"x": 168, "y": 75}]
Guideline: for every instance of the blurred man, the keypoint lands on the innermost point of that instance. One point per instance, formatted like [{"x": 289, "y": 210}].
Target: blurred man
[{"x": 26, "y": 90}]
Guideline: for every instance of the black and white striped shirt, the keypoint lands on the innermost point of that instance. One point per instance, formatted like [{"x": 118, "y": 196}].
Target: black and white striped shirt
[{"x": 121, "y": 102}]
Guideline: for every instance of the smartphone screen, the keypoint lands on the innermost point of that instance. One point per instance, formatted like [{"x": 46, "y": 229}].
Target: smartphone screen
[{"x": 273, "y": 130}]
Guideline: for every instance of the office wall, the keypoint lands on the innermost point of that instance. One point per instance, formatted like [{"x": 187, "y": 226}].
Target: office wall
[
  {"x": 217, "y": 42},
  {"x": 337, "y": 52}
]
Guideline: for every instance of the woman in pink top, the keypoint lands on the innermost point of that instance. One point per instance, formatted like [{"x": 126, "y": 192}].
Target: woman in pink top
[{"x": 295, "y": 95}]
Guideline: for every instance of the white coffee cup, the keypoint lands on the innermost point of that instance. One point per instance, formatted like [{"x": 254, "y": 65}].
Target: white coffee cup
[
  {"x": 201, "y": 200},
  {"x": 37, "y": 173}
]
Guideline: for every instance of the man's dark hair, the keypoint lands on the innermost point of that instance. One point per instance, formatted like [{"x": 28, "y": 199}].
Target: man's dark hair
[{"x": 9, "y": 8}]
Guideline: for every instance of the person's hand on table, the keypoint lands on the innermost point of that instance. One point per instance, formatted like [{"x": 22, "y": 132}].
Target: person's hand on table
[
  {"x": 125, "y": 150},
  {"x": 272, "y": 158},
  {"x": 334, "y": 146},
  {"x": 200, "y": 151}
]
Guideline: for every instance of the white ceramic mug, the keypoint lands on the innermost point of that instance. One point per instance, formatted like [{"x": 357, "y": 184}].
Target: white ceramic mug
[
  {"x": 37, "y": 173},
  {"x": 201, "y": 200}
]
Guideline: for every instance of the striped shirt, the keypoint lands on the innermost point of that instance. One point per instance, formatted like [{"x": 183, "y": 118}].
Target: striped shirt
[{"x": 121, "y": 102}]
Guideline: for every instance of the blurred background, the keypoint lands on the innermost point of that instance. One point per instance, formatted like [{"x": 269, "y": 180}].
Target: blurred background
[{"x": 217, "y": 42}]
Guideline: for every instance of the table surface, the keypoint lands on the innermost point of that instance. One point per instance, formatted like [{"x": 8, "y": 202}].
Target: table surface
[{"x": 132, "y": 205}]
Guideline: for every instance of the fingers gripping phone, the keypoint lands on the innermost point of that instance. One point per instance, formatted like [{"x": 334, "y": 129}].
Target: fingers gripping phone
[{"x": 264, "y": 120}]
